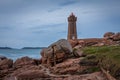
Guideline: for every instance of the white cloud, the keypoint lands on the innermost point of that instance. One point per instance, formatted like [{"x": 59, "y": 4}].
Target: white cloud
[{"x": 22, "y": 16}]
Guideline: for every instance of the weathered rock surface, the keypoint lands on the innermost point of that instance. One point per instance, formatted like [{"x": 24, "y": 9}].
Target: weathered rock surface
[
  {"x": 23, "y": 61},
  {"x": 5, "y": 66},
  {"x": 90, "y": 42},
  {"x": 6, "y": 63},
  {"x": 70, "y": 66},
  {"x": 116, "y": 37},
  {"x": 2, "y": 57},
  {"x": 57, "y": 63},
  {"x": 25, "y": 68},
  {"x": 71, "y": 70},
  {"x": 10, "y": 70},
  {"x": 32, "y": 74},
  {"x": 77, "y": 52},
  {"x": 112, "y": 36},
  {"x": 109, "y": 38},
  {"x": 73, "y": 42},
  {"x": 93, "y": 76},
  {"x": 27, "y": 72},
  {"x": 56, "y": 52},
  {"x": 61, "y": 71},
  {"x": 109, "y": 35}
]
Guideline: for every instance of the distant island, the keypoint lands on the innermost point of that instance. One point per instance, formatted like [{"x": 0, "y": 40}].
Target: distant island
[
  {"x": 23, "y": 48},
  {"x": 33, "y": 47},
  {"x": 5, "y": 48}
]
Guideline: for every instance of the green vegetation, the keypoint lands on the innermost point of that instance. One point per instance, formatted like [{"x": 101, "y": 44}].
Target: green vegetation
[
  {"x": 92, "y": 69},
  {"x": 107, "y": 56}
]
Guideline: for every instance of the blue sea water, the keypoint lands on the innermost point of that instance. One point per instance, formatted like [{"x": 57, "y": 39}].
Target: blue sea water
[{"x": 18, "y": 53}]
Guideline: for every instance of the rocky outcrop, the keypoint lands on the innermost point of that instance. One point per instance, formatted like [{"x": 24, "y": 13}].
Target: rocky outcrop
[
  {"x": 27, "y": 72},
  {"x": 2, "y": 57},
  {"x": 32, "y": 74},
  {"x": 92, "y": 76},
  {"x": 116, "y": 37},
  {"x": 10, "y": 70},
  {"x": 59, "y": 61},
  {"x": 109, "y": 38},
  {"x": 73, "y": 42},
  {"x": 61, "y": 71},
  {"x": 6, "y": 63},
  {"x": 77, "y": 52},
  {"x": 24, "y": 68},
  {"x": 108, "y": 35},
  {"x": 23, "y": 61},
  {"x": 70, "y": 66},
  {"x": 56, "y": 52},
  {"x": 112, "y": 36},
  {"x": 5, "y": 66}
]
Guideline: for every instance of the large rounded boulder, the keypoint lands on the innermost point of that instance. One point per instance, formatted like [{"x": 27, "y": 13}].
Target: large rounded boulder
[{"x": 56, "y": 52}]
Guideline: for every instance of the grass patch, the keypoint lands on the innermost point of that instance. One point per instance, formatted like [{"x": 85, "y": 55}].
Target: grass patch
[
  {"x": 91, "y": 70},
  {"x": 108, "y": 57},
  {"x": 94, "y": 50}
]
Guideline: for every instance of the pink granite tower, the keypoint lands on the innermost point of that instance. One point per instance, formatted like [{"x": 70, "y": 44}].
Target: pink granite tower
[{"x": 72, "y": 31}]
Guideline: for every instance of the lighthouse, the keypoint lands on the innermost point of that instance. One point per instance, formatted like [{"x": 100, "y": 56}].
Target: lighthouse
[{"x": 72, "y": 30}]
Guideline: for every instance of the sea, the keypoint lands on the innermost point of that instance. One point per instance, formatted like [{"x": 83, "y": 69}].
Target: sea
[{"x": 18, "y": 53}]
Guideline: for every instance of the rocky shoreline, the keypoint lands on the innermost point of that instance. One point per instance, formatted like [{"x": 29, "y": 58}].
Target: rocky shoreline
[
  {"x": 60, "y": 61},
  {"x": 27, "y": 68}
]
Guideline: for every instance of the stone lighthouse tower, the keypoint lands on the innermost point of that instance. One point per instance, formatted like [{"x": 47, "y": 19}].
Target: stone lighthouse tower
[{"x": 72, "y": 31}]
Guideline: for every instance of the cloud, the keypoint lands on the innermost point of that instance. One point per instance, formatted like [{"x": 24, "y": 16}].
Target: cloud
[
  {"x": 53, "y": 29},
  {"x": 54, "y": 9},
  {"x": 42, "y": 22},
  {"x": 68, "y": 2},
  {"x": 5, "y": 28}
]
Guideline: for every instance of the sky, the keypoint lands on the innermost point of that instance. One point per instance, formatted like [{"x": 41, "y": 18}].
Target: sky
[{"x": 38, "y": 23}]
